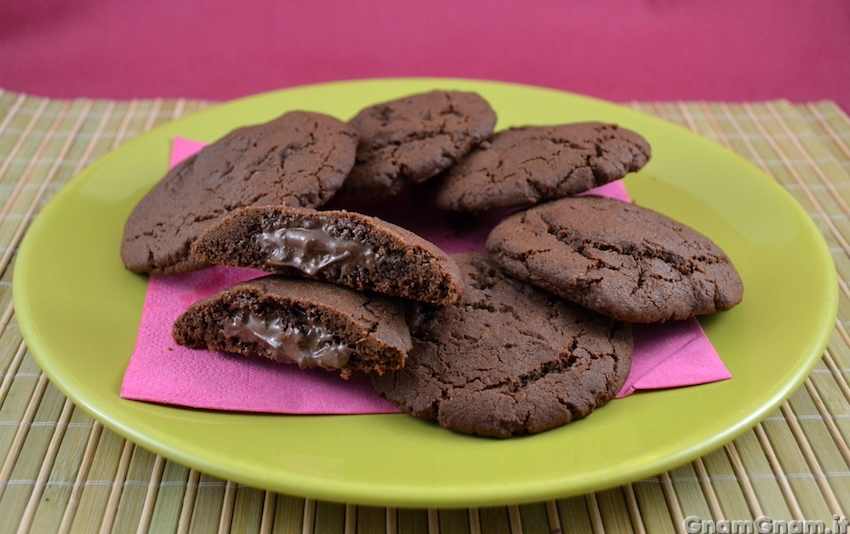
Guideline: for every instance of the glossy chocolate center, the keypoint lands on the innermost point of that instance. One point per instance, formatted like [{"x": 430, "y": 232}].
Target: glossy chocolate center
[
  {"x": 308, "y": 246},
  {"x": 307, "y": 343}
]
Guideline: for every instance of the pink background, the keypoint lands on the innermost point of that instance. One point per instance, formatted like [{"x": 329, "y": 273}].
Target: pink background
[{"x": 620, "y": 50}]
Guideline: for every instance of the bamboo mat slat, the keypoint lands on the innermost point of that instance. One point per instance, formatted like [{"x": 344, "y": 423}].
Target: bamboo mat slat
[{"x": 61, "y": 471}]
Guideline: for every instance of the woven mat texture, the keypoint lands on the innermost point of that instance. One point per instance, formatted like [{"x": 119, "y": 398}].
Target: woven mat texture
[{"x": 62, "y": 471}]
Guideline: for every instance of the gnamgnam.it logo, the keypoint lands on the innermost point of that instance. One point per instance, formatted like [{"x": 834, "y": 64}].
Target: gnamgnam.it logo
[{"x": 765, "y": 525}]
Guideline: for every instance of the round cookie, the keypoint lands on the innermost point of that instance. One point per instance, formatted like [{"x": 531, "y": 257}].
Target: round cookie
[
  {"x": 298, "y": 159},
  {"x": 303, "y": 322},
  {"x": 407, "y": 141},
  {"x": 624, "y": 261},
  {"x": 507, "y": 358},
  {"x": 525, "y": 166}
]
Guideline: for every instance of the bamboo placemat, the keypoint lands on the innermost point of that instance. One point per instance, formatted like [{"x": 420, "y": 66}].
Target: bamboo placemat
[{"x": 61, "y": 471}]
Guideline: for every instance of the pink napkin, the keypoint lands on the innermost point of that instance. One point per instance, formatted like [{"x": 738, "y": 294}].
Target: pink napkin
[
  {"x": 183, "y": 148},
  {"x": 671, "y": 354},
  {"x": 162, "y": 371}
]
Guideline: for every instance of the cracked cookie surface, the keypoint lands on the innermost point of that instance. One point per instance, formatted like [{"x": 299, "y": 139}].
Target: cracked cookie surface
[
  {"x": 407, "y": 141},
  {"x": 298, "y": 159},
  {"x": 309, "y": 323},
  {"x": 622, "y": 260},
  {"x": 507, "y": 358},
  {"x": 532, "y": 164}
]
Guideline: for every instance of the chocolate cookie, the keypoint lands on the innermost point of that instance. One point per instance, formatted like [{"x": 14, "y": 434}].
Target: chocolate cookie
[
  {"x": 507, "y": 358},
  {"x": 298, "y": 159},
  {"x": 304, "y": 322},
  {"x": 407, "y": 141},
  {"x": 342, "y": 247},
  {"x": 622, "y": 260},
  {"x": 532, "y": 164}
]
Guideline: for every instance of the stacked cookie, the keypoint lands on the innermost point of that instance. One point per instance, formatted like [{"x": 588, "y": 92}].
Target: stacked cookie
[{"x": 525, "y": 337}]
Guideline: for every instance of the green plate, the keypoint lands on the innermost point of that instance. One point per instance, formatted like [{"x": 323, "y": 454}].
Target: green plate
[{"x": 79, "y": 309}]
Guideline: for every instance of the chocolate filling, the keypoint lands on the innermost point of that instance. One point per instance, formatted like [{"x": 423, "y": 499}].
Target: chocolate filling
[
  {"x": 309, "y": 246},
  {"x": 307, "y": 343}
]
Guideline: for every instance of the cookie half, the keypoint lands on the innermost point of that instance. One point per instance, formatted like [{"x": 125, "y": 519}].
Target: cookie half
[
  {"x": 627, "y": 262},
  {"x": 407, "y": 141},
  {"x": 507, "y": 358},
  {"x": 303, "y": 322},
  {"x": 525, "y": 166},
  {"x": 341, "y": 247},
  {"x": 299, "y": 159}
]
